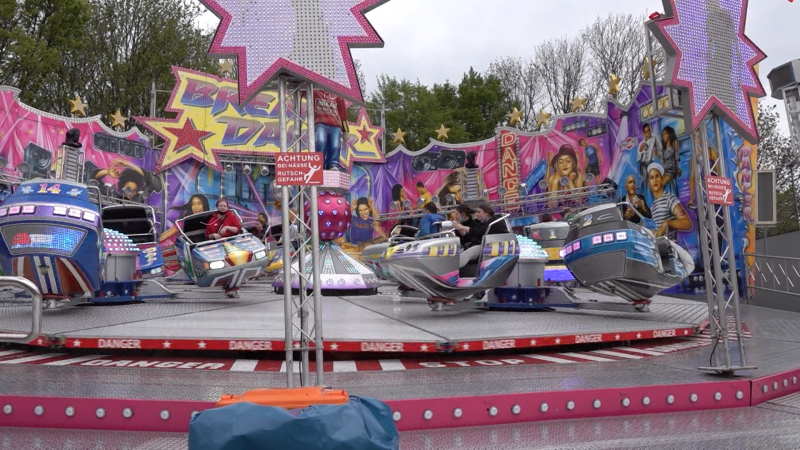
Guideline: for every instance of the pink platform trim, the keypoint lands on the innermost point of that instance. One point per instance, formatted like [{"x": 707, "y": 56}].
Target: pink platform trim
[
  {"x": 416, "y": 414},
  {"x": 773, "y": 386}
]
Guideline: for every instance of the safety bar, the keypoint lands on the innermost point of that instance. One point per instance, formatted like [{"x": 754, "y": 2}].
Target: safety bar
[
  {"x": 36, "y": 322},
  {"x": 501, "y": 219},
  {"x": 635, "y": 211}
]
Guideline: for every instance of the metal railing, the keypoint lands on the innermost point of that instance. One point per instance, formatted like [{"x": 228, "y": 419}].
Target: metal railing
[
  {"x": 36, "y": 321},
  {"x": 780, "y": 274},
  {"x": 534, "y": 204}
]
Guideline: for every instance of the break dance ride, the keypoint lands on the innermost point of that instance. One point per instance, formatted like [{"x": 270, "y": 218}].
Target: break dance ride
[
  {"x": 551, "y": 237},
  {"x": 53, "y": 234},
  {"x": 341, "y": 273},
  {"x": 138, "y": 222},
  {"x": 613, "y": 256},
  {"x": 227, "y": 263},
  {"x": 437, "y": 267}
]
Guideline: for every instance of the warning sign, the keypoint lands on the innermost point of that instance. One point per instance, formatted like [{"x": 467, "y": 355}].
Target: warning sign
[
  {"x": 298, "y": 169},
  {"x": 720, "y": 190}
]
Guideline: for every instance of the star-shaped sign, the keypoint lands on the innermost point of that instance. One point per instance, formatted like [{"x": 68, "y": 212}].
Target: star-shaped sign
[
  {"x": 188, "y": 137},
  {"x": 362, "y": 143},
  {"x": 76, "y": 106},
  {"x": 542, "y": 118},
  {"x": 442, "y": 132},
  {"x": 613, "y": 84},
  {"x": 578, "y": 103},
  {"x": 310, "y": 39},
  {"x": 712, "y": 60},
  {"x": 399, "y": 136},
  {"x": 515, "y": 116},
  {"x": 117, "y": 119}
]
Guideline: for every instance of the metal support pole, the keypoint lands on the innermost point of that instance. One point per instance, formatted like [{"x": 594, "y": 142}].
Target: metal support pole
[
  {"x": 287, "y": 241},
  {"x": 315, "y": 256},
  {"x": 730, "y": 252},
  {"x": 297, "y": 101},
  {"x": 718, "y": 245},
  {"x": 705, "y": 236},
  {"x": 383, "y": 125},
  {"x": 153, "y": 100},
  {"x": 716, "y": 296}
]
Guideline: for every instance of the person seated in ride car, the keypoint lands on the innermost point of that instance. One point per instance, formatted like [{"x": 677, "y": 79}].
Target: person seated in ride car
[
  {"x": 224, "y": 223},
  {"x": 464, "y": 217},
  {"x": 474, "y": 235},
  {"x": 426, "y": 225}
]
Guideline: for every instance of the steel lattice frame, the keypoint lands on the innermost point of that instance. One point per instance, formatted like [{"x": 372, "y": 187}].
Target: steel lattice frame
[
  {"x": 298, "y": 308},
  {"x": 717, "y": 246}
]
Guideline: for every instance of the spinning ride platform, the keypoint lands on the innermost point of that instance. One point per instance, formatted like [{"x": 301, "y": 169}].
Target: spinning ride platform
[
  {"x": 204, "y": 319},
  {"x": 660, "y": 397}
]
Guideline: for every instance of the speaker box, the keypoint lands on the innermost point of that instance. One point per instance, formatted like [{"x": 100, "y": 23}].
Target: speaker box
[
  {"x": 766, "y": 199},
  {"x": 39, "y": 159}
]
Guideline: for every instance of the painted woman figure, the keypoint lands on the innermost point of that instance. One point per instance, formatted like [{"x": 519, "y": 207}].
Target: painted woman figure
[
  {"x": 197, "y": 203},
  {"x": 450, "y": 192},
  {"x": 670, "y": 159},
  {"x": 563, "y": 170},
  {"x": 131, "y": 179},
  {"x": 364, "y": 225}
]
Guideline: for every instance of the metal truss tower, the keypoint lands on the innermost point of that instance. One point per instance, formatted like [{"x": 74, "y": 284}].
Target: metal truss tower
[
  {"x": 305, "y": 307},
  {"x": 716, "y": 235},
  {"x": 717, "y": 248}
]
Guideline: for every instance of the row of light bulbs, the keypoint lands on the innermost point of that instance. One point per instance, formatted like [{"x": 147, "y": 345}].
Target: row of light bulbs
[{"x": 247, "y": 169}]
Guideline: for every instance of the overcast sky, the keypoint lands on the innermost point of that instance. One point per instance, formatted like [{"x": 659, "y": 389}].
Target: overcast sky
[{"x": 438, "y": 40}]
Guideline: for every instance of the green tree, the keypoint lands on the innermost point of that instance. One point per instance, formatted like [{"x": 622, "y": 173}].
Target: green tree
[
  {"x": 136, "y": 42},
  {"x": 107, "y": 51},
  {"x": 775, "y": 153},
  {"x": 38, "y": 41},
  {"x": 472, "y": 110},
  {"x": 481, "y": 105}
]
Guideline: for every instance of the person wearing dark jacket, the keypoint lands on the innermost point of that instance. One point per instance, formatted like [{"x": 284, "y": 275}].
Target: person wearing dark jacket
[
  {"x": 426, "y": 225},
  {"x": 474, "y": 235},
  {"x": 465, "y": 218}
]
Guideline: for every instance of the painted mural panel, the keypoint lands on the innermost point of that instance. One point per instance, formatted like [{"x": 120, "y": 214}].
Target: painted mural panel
[{"x": 120, "y": 164}]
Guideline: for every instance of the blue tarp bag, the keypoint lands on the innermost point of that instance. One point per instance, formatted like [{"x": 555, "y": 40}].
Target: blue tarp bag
[{"x": 360, "y": 424}]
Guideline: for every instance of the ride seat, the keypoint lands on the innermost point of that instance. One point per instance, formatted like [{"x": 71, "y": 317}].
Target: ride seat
[
  {"x": 664, "y": 247},
  {"x": 469, "y": 255},
  {"x": 197, "y": 236}
]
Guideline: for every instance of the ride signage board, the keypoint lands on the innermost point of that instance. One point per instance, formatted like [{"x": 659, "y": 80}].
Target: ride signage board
[
  {"x": 298, "y": 169},
  {"x": 720, "y": 190}
]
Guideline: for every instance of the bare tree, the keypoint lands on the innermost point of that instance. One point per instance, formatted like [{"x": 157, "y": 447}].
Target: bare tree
[
  {"x": 617, "y": 46},
  {"x": 522, "y": 86},
  {"x": 563, "y": 66}
]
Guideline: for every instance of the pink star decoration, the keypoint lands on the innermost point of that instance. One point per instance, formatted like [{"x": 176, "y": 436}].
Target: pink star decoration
[{"x": 310, "y": 39}]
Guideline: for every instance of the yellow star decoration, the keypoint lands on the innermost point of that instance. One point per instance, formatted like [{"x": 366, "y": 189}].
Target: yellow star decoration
[
  {"x": 578, "y": 104},
  {"x": 362, "y": 142},
  {"x": 515, "y": 116},
  {"x": 442, "y": 131},
  {"x": 646, "y": 68},
  {"x": 117, "y": 119},
  {"x": 76, "y": 106},
  {"x": 399, "y": 136},
  {"x": 542, "y": 118},
  {"x": 613, "y": 84},
  {"x": 226, "y": 66}
]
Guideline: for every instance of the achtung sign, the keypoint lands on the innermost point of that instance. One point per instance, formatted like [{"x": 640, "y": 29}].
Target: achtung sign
[
  {"x": 298, "y": 169},
  {"x": 720, "y": 190}
]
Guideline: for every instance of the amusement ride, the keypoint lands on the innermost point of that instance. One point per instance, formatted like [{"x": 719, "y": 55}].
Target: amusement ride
[{"x": 600, "y": 230}]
